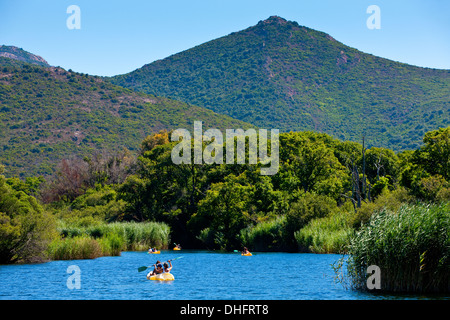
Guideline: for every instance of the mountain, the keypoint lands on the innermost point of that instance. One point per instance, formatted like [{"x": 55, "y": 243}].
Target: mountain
[
  {"x": 278, "y": 74},
  {"x": 18, "y": 54},
  {"x": 48, "y": 114}
]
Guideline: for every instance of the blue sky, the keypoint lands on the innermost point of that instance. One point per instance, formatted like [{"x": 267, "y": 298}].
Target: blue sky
[{"x": 119, "y": 36}]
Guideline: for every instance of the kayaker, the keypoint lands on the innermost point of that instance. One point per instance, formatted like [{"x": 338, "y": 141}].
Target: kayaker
[
  {"x": 178, "y": 246},
  {"x": 166, "y": 266},
  {"x": 245, "y": 251},
  {"x": 152, "y": 250},
  {"x": 158, "y": 268}
]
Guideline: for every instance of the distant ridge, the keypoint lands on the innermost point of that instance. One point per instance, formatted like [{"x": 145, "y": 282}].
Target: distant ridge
[
  {"x": 19, "y": 54},
  {"x": 48, "y": 114}
]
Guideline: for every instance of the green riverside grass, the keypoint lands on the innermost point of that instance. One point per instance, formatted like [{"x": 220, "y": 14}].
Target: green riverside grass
[
  {"x": 330, "y": 234},
  {"x": 411, "y": 246},
  {"x": 108, "y": 239}
]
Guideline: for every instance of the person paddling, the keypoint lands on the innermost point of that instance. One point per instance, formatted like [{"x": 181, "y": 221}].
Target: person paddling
[
  {"x": 158, "y": 268},
  {"x": 166, "y": 266},
  {"x": 245, "y": 251}
]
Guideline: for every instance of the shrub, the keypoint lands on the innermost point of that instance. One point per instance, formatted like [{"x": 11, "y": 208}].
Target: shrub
[
  {"x": 266, "y": 236},
  {"x": 391, "y": 200},
  {"x": 308, "y": 207}
]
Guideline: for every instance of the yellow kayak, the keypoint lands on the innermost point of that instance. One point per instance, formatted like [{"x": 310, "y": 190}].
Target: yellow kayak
[
  {"x": 161, "y": 277},
  {"x": 246, "y": 254},
  {"x": 155, "y": 252},
  {"x": 176, "y": 249}
]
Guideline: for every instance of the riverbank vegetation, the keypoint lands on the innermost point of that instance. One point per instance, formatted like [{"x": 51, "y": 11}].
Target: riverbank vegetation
[
  {"x": 411, "y": 246},
  {"x": 106, "y": 239},
  {"x": 328, "y": 196}
]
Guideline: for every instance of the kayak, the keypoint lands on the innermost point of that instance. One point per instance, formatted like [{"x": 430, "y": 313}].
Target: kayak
[
  {"x": 154, "y": 252},
  {"x": 176, "y": 249},
  {"x": 246, "y": 254},
  {"x": 161, "y": 277}
]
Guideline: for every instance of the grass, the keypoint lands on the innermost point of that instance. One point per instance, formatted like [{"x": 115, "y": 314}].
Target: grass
[
  {"x": 411, "y": 246},
  {"x": 330, "y": 234},
  {"x": 79, "y": 247},
  {"x": 103, "y": 239}
]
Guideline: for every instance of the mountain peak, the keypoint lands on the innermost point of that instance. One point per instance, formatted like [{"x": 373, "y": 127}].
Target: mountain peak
[
  {"x": 19, "y": 54},
  {"x": 274, "y": 20},
  {"x": 279, "y": 74}
]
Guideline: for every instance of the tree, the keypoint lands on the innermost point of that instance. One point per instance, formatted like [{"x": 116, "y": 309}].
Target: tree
[
  {"x": 223, "y": 212},
  {"x": 434, "y": 156},
  {"x": 310, "y": 165},
  {"x": 25, "y": 228},
  {"x": 155, "y": 139},
  {"x": 426, "y": 170},
  {"x": 309, "y": 206}
]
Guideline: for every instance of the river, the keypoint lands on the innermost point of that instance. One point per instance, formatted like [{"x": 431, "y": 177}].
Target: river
[{"x": 199, "y": 275}]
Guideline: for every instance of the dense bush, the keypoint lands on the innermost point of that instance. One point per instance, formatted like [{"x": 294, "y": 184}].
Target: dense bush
[
  {"x": 267, "y": 236},
  {"x": 309, "y": 206},
  {"x": 47, "y": 114}
]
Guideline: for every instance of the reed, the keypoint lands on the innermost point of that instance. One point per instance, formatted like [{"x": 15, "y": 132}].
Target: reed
[
  {"x": 329, "y": 234},
  {"x": 74, "y": 248},
  {"x": 103, "y": 239},
  {"x": 112, "y": 244},
  {"x": 141, "y": 236},
  {"x": 411, "y": 246}
]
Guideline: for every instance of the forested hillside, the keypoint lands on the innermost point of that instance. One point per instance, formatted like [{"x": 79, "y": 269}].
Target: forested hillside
[
  {"x": 279, "y": 74},
  {"x": 50, "y": 114}
]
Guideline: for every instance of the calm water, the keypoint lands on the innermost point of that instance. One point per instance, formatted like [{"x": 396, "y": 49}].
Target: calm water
[{"x": 199, "y": 275}]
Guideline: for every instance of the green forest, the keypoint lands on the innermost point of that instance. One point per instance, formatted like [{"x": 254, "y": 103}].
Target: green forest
[{"x": 325, "y": 192}]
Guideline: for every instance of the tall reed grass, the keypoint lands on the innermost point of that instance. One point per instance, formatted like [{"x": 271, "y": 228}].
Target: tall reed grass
[
  {"x": 329, "y": 234},
  {"x": 137, "y": 236},
  {"x": 78, "y": 247},
  {"x": 107, "y": 239},
  {"x": 411, "y": 246}
]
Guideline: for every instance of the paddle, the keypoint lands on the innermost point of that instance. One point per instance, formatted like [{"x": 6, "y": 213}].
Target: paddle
[
  {"x": 143, "y": 268},
  {"x": 238, "y": 251}
]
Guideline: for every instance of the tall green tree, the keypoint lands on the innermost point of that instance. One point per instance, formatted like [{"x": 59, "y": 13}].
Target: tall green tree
[
  {"x": 310, "y": 165},
  {"x": 434, "y": 156},
  {"x": 224, "y": 212},
  {"x": 25, "y": 228}
]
